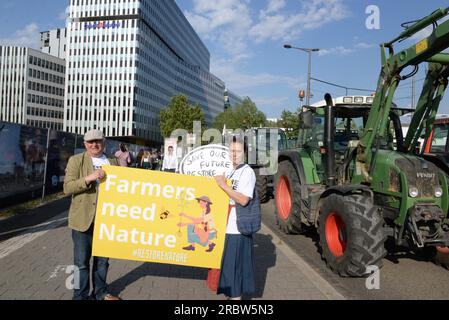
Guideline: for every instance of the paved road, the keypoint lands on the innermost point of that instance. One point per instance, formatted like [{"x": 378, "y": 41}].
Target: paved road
[{"x": 403, "y": 276}]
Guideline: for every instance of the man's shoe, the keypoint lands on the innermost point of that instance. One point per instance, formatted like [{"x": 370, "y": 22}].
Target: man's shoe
[
  {"x": 111, "y": 297},
  {"x": 189, "y": 248},
  {"x": 211, "y": 247}
]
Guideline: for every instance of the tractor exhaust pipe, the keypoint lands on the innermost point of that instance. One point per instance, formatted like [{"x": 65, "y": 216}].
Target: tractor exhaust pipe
[{"x": 329, "y": 132}]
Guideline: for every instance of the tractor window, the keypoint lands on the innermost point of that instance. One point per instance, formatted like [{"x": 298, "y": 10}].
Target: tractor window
[
  {"x": 439, "y": 139},
  {"x": 313, "y": 138},
  {"x": 346, "y": 130}
]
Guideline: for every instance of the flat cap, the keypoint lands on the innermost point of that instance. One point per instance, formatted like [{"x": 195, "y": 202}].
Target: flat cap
[{"x": 93, "y": 135}]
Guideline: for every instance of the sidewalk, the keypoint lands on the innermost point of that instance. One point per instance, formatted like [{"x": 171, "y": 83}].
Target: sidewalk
[{"x": 33, "y": 266}]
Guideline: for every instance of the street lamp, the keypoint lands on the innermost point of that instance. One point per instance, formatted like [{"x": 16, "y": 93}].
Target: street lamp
[{"x": 309, "y": 75}]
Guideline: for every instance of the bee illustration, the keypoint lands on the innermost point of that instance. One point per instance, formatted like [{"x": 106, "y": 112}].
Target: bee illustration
[{"x": 164, "y": 215}]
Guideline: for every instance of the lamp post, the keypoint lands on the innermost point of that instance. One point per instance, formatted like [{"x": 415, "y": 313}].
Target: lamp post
[{"x": 309, "y": 75}]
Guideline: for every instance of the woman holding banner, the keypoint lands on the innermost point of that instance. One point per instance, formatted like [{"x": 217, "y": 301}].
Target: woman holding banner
[{"x": 237, "y": 276}]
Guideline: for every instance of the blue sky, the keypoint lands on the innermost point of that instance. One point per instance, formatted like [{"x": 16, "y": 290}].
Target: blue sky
[{"x": 246, "y": 37}]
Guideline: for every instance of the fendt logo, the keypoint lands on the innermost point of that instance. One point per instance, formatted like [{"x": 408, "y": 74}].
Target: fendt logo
[{"x": 424, "y": 175}]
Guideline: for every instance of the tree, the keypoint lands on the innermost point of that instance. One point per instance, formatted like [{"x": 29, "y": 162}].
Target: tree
[
  {"x": 242, "y": 116},
  {"x": 290, "y": 122},
  {"x": 179, "y": 114}
]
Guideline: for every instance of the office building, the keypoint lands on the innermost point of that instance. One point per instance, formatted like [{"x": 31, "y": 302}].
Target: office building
[
  {"x": 54, "y": 42},
  {"x": 32, "y": 87},
  {"x": 126, "y": 59}
]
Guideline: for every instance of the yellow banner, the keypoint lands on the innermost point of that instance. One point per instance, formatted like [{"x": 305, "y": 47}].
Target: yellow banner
[{"x": 160, "y": 217}]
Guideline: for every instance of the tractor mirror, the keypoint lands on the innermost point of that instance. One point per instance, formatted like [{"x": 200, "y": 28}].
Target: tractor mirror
[{"x": 306, "y": 120}]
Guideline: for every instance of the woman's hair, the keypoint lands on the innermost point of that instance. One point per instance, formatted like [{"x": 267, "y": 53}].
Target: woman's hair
[
  {"x": 123, "y": 147},
  {"x": 243, "y": 142},
  {"x": 207, "y": 206}
]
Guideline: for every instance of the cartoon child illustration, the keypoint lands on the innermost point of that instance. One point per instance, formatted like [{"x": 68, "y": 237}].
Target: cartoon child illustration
[{"x": 202, "y": 229}]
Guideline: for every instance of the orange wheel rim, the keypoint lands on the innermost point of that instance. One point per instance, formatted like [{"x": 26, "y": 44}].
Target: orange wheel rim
[
  {"x": 335, "y": 230},
  {"x": 284, "y": 198}
]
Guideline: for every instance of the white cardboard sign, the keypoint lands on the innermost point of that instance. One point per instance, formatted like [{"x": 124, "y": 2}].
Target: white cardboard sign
[{"x": 207, "y": 161}]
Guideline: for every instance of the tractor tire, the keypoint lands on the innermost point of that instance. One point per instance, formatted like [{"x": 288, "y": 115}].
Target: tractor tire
[
  {"x": 351, "y": 235},
  {"x": 262, "y": 187},
  {"x": 288, "y": 199}
]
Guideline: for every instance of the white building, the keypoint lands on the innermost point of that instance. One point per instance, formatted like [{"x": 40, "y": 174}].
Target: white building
[
  {"x": 126, "y": 60},
  {"x": 32, "y": 87},
  {"x": 54, "y": 42}
]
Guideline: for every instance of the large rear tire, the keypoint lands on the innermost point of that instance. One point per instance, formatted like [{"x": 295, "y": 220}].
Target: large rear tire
[
  {"x": 262, "y": 187},
  {"x": 351, "y": 235},
  {"x": 288, "y": 199}
]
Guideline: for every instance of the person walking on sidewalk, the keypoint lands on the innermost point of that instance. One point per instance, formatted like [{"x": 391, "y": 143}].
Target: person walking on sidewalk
[
  {"x": 237, "y": 276},
  {"x": 83, "y": 175}
]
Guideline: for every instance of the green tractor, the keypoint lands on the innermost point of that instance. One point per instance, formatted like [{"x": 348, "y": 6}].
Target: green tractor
[{"x": 356, "y": 179}]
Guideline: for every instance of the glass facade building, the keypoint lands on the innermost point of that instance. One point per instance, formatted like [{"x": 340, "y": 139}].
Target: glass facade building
[{"x": 126, "y": 59}]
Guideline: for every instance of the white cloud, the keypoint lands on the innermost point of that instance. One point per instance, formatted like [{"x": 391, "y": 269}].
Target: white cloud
[
  {"x": 314, "y": 14},
  {"x": 364, "y": 45},
  {"x": 224, "y": 22},
  {"x": 63, "y": 15},
  {"x": 28, "y": 37},
  {"x": 273, "y": 6},
  {"x": 340, "y": 50},
  {"x": 234, "y": 29}
]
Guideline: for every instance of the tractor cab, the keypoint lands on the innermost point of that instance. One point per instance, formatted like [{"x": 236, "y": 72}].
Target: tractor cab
[{"x": 350, "y": 115}]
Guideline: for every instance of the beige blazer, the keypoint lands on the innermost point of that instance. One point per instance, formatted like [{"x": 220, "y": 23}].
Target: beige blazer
[{"x": 84, "y": 197}]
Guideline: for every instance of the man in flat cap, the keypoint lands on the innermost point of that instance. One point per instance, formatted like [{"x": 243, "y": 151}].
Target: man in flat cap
[{"x": 83, "y": 175}]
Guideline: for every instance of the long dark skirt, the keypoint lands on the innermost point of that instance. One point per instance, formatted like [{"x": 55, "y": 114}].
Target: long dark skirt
[{"x": 237, "y": 275}]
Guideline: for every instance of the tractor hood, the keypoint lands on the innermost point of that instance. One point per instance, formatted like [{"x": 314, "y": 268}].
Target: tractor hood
[{"x": 399, "y": 174}]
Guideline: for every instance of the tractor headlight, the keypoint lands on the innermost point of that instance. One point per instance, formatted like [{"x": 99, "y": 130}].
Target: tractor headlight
[
  {"x": 438, "y": 192},
  {"x": 413, "y": 192}
]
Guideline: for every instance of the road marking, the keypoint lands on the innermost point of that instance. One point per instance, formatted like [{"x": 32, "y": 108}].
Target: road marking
[
  {"x": 11, "y": 245},
  {"x": 321, "y": 284}
]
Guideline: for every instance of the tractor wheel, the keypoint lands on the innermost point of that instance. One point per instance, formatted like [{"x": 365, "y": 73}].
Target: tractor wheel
[
  {"x": 351, "y": 234},
  {"x": 288, "y": 199},
  {"x": 262, "y": 187},
  {"x": 442, "y": 256}
]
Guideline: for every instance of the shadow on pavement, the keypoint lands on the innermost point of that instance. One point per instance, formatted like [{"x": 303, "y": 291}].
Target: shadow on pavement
[
  {"x": 265, "y": 258},
  {"x": 30, "y": 222}
]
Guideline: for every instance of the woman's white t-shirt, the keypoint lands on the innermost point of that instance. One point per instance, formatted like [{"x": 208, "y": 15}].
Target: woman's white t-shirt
[{"x": 243, "y": 181}]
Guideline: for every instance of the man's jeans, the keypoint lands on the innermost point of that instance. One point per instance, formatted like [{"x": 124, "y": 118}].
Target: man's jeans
[{"x": 83, "y": 252}]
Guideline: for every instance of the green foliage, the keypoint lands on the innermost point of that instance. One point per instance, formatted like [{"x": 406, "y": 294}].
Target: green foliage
[
  {"x": 290, "y": 122},
  {"x": 179, "y": 114},
  {"x": 242, "y": 116}
]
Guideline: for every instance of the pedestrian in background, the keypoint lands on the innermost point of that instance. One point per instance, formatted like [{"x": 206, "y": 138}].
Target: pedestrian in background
[
  {"x": 139, "y": 158},
  {"x": 170, "y": 163},
  {"x": 83, "y": 175},
  {"x": 145, "y": 163},
  {"x": 123, "y": 156},
  {"x": 237, "y": 276}
]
